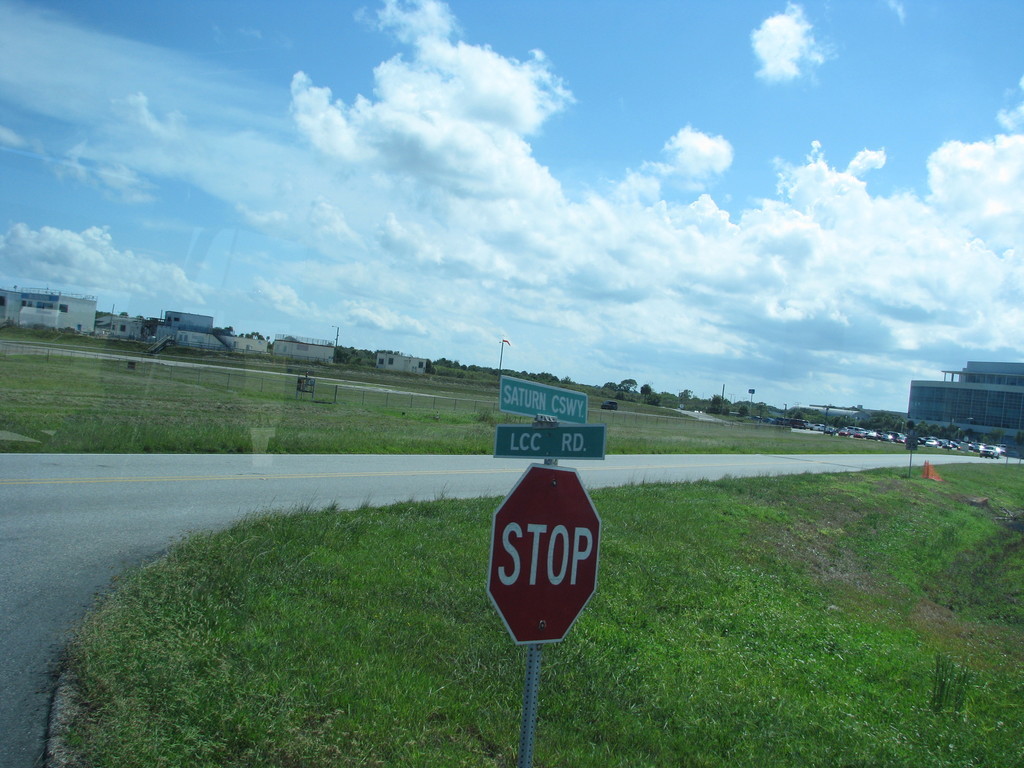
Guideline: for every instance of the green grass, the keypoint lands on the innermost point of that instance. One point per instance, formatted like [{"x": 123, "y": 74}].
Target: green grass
[
  {"x": 87, "y": 405},
  {"x": 849, "y": 620}
]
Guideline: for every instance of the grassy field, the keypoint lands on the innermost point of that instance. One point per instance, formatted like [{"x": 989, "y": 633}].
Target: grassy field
[
  {"x": 62, "y": 404},
  {"x": 850, "y": 620}
]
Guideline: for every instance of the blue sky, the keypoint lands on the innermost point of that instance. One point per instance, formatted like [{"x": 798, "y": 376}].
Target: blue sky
[{"x": 818, "y": 200}]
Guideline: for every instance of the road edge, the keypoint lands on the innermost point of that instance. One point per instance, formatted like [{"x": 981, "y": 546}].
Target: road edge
[{"x": 64, "y": 709}]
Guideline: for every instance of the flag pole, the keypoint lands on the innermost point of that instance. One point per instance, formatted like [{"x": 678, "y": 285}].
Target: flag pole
[{"x": 501, "y": 356}]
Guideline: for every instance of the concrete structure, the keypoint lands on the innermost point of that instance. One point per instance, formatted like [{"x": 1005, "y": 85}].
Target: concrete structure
[
  {"x": 391, "y": 361},
  {"x": 981, "y": 398},
  {"x": 187, "y": 329},
  {"x": 120, "y": 327},
  {"x": 50, "y": 309},
  {"x": 200, "y": 340},
  {"x": 299, "y": 348},
  {"x": 174, "y": 321},
  {"x": 245, "y": 345}
]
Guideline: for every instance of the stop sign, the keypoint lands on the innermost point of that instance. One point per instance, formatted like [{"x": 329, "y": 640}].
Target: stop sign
[{"x": 544, "y": 552}]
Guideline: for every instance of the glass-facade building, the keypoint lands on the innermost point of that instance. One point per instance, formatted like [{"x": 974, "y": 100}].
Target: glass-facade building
[{"x": 982, "y": 397}]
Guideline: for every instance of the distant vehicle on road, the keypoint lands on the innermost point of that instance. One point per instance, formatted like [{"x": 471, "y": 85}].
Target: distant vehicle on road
[{"x": 610, "y": 405}]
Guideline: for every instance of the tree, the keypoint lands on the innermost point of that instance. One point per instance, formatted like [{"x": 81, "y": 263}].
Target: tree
[
  {"x": 626, "y": 385},
  {"x": 646, "y": 389},
  {"x": 668, "y": 400},
  {"x": 718, "y": 404}
]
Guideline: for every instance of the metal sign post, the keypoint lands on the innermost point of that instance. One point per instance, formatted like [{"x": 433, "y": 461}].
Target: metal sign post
[
  {"x": 545, "y": 542},
  {"x": 546, "y": 533},
  {"x": 531, "y": 691},
  {"x": 911, "y": 447}
]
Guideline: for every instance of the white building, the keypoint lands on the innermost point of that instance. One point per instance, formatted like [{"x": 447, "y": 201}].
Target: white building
[
  {"x": 298, "y": 348},
  {"x": 187, "y": 329},
  {"x": 245, "y": 345},
  {"x": 391, "y": 361},
  {"x": 49, "y": 309},
  {"x": 120, "y": 327}
]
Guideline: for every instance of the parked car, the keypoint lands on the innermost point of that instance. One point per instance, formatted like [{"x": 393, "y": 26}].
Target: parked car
[
  {"x": 988, "y": 452},
  {"x": 610, "y": 405}
]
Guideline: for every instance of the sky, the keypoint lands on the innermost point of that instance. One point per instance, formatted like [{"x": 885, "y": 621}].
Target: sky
[{"x": 820, "y": 201}]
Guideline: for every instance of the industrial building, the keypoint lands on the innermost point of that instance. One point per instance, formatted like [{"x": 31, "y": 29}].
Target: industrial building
[
  {"x": 123, "y": 327},
  {"x": 982, "y": 398},
  {"x": 391, "y": 361},
  {"x": 187, "y": 329},
  {"x": 300, "y": 348},
  {"x": 41, "y": 307}
]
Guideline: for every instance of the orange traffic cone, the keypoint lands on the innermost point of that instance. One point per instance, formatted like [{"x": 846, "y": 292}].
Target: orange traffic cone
[{"x": 930, "y": 473}]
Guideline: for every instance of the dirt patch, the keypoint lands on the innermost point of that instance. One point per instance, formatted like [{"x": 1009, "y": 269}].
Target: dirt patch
[
  {"x": 935, "y": 619},
  {"x": 981, "y": 502},
  {"x": 821, "y": 544},
  {"x": 1011, "y": 518}
]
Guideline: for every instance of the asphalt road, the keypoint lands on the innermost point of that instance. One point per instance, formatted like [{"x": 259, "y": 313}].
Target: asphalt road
[{"x": 70, "y": 523}]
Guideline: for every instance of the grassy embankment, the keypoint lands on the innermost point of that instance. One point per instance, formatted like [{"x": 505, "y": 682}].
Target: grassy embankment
[
  {"x": 87, "y": 405},
  {"x": 850, "y": 620}
]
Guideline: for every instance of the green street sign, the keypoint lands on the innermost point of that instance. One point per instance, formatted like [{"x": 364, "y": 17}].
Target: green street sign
[
  {"x": 522, "y": 441},
  {"x": 528, "y": 398}
]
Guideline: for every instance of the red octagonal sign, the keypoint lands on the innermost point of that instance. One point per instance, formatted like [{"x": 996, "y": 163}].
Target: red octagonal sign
[{"x": 544, "y": 552}]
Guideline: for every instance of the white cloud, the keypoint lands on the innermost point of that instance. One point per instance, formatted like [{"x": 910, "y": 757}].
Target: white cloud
[
  {"x": 1013, "y": 119},
  {"x": 980, "y": 186},
  {"x": 866, "y": 160},
  {"x": 90, "y": 259},
  {"x": 896, "y": 6},
  {"x": 116, "y": 179},
  {"x": 453, "y": 119},
  {"x": 284, "y": 298},
  {"x": 135, "y": 108},
  {"x": 692, "y": 159},
  {"x": 785, "y": 46},
  {"x": 414, "y": 22},
  {"x": 694, "y": 156},
  {"x": 9, "y": 138},
  {"x": 385, "y": 319}
]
